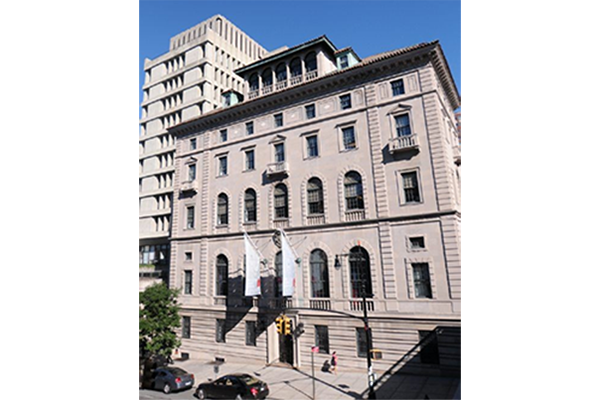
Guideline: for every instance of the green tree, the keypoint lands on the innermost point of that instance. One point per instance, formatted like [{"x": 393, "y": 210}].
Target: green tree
[{"x": 159, "y": 316}]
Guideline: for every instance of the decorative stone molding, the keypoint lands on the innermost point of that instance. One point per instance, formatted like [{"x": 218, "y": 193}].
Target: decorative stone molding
[
  {"x": 341, "y": 196},
  {"x": 304, "y": 197}
]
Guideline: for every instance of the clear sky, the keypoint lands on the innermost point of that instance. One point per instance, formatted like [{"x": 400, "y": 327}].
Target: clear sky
[{"x": 370, "y": 27}]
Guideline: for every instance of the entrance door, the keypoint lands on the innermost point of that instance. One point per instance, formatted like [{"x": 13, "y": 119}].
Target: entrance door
[{"x": 286, "y": 349}]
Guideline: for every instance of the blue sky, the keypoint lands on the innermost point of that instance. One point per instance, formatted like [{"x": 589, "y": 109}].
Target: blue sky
[{"x": 370, "y": 27}]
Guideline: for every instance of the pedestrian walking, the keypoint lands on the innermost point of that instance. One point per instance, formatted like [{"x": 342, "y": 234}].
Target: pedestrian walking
[{"x": 334, "y": 362}]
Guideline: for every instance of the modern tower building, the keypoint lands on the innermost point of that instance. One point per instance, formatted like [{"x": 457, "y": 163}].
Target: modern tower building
[
  {"x": 356, "y": 161},
  {"x": 182, "y": 84}
]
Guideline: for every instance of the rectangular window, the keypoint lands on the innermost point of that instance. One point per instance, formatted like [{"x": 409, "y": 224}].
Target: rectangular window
[
  {"x": 249, "y": 160},
  {"x": 279, "y": 152},
  {"x": 349, "y": 138},
  {"x": 188, "y": 256},
  {"x": 249, "y": 128},
  {"x": 223, "y": 135},
  {"x": 312, "y": 147},
  {"x": 186, "y": 327},
  {"x": 190, "y": 217},
  {"x": 417, "y": 242},
  {"x": 398, "y": 87},
  {"x": 344, "y": 61},
  {"x": 410, "y": 185},
  {"x": 361, "y": 343},
  {"x": 322, "y": 338},
  {"x": 223, "y": 166},
  {"x": 250, "y": 333},
  {"x": 192, "y": 172},
  {"x": 220, "y": 331},
  {"x": 345, "y": 102},
  {"x": 192, "y": 144},
  {"x": 421, "y": 280},
  {"x": 187, "y": 285},
  {"x": 403, "y": 125},
  {"x": 278, "y": 120},
  {"x": 430, "y": 353},
  {"x": 310, "y": 111}
]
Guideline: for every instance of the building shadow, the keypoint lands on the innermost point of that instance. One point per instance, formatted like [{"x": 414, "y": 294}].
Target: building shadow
[{"x": 429, "y": 370}]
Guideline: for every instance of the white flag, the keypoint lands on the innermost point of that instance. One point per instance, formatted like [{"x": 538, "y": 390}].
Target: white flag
[
  {"x": 289, "y": 266},
  {"x": 252, "y": 268}
]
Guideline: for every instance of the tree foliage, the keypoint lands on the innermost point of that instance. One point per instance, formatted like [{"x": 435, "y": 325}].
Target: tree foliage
[{"x": 159, "y": 316}]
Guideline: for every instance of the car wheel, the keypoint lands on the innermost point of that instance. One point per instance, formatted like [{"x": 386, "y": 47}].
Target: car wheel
[
  {"x": 200, "y": 394},
  {"x": 167, "y": 388}
]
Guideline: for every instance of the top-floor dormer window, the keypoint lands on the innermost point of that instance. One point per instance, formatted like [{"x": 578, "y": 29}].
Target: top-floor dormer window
[
  {"x": 310, "y": 62},
  {"x": 253, "y": 81}
]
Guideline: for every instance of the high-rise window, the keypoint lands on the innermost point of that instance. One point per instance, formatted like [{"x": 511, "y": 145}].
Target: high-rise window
[
  {"x": 417, "y": 242},
  {"x": 281, "y": 201},
  {"x": 223, "y": 135},
  {"x": 278, "y": 120},
  {"x": 249, "y": 160},
  {"x": 250, "y": 206},
  {"x": 360, "y": 272},
  {"x": 190, "y": 217},
  {"x": 193, "y": 144},
  {"x": 249, "y": 128},
  {"x": 319, "y": 274},
  {"x": 222, "y": 209},
  {"x": 279, "y": 152},
  {"x": 310, "y": 62},
  {"x": 322, "y": 338},
  {"x": 314, "y": 194},
  {"x": 353, "y": 191},
  {"x": 403, "y": 125},
  {"x": 397, "y": 87},
  {"x": 345, "y": 102},
  {"x": 421, "y": 280},
  {"x": 191, "y": 172},
  {"x": 349, "y": 138},
  {"x": 310, "y": 111},
  {"x": 187, "y": 282},
  {"x": 312, "y": 146},
  {"x": 344, "y": 61},
  {"x": 250, "y": 333},
  {"x": 222, "y": 275},
  {"x": 186, "y": 327},
  {"x": 410, "y": 185},
  {"x": 223, "y": 166}
]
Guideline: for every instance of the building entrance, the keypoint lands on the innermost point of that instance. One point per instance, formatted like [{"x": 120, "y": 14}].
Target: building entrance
[{"x": 286, "y": 349}]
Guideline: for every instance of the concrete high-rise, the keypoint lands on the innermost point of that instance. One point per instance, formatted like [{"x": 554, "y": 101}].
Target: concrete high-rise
[{"x": 184, "y": 83}]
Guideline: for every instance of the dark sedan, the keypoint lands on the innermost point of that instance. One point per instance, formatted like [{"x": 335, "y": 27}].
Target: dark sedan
[
  {"x": 234, "y": 386},
  {"x": 169, "y": 379}
]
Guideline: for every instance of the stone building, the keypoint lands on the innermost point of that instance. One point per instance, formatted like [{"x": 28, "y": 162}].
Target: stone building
[
  {"x": 355, "y": 160},
  {"x": 183, "y": 83}
]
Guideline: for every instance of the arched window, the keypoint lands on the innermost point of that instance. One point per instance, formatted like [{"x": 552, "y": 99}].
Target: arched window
[
  {"x": 314, "y": 193},
  {"x": 310, "y": 62},
  {"x": 267, "y": 77},
  {"x": 281, "y": 72},
  {"x": 353, "y": 191},
  {"x": 319, "y": 276},
  {"x": 250, "y": 206},
  {"x": 222, "y": 275},
  {"x": 295, "y": 67},
  {"x": 360, "y": 272},
  {"x": 278, "y": 289},
  {"x": 222, "y": 209},
  {"x": 253, "y": 82},
  {"x": 281, "y": 201}
]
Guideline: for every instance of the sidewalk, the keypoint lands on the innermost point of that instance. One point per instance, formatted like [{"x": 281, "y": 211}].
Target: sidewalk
[{"x": 291, "y": 384}]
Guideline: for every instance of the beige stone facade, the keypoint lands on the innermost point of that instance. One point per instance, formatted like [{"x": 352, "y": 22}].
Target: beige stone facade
[
  {"x": 181, "y": 84},
  {"x": 360, "y": 159}
]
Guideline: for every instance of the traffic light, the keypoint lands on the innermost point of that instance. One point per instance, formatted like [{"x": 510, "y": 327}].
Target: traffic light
[
  {"x": 279, "y": 322},
  {"x": 287, "y": 326}
]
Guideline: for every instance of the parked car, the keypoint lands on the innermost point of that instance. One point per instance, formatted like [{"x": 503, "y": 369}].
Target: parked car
[
  {"x": 169, "y": 379},
  {"x": 234, "y": 386}
]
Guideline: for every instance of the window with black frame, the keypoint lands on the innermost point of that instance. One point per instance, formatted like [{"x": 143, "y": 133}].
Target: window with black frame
[
  {"x": 222, "y": 209},
  {"x": 353, "y": 191},
  {"x": 187, "y": 283},
  {"x": 278, "y": 282},
  {"x": 186, "y": 327},
  {"x": 249, "y": 160},
  {"x": 281, "y": 201},
  {"x": 250, "y": 333},
  {"x": 360, "y": 272},
  {"x": 250, "y": 205},
  {"x": 403, "y": 125},
  {"x": 222, "y": 275},
  {"x": 319, "y": 275},
  {"x": 220, "y": 331},
  {"x": 361, "y": 343},
  {"x": 410, "y": 184},
  {"x": 422, "y": 280},
  {"x": 322, "y": 338},
  {"x": 314, "y": 194}
]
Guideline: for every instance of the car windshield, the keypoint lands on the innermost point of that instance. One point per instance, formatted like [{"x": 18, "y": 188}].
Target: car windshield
[
  {"x": 177, "y": 371},
  {"x": 249, "y": 380}
]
